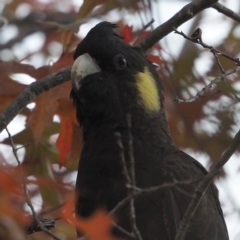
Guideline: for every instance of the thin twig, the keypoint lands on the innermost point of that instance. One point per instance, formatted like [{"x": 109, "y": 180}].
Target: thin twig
[
  {"x": 25, "y": 190},
  {"x": 230, "y": 90},
  {"x": 129, "y": 179},
  {"x": 203, "y": 186},
  {"x": 209, "y": 86},
  {"x": 23, "y": 146},
  {"x": 183, "y": 191},
  {"x": 142, "y": 31},
  {"x": 196, "y": 37},
  {"x": 212, "y": 49},
  {"x": 126, "y": 175},
  {"x": 218, "y": 62},
  {"x": 141, "y": 191},
  {"x": 131, "y": 154},
  {"x": 123, "y": 230},
  {"x": 133, "y": 178},
  {"x": 122, "y": 158}
]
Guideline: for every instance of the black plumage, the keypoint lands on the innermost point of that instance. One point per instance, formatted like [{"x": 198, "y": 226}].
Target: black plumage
[{"x": 103, "y": 100}]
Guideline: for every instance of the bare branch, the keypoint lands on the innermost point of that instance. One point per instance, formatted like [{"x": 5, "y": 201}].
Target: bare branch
[
  {"x": 122, "y": 158},
  {"x": 226, "y": 11},
  {"x": 129, "y": 179},
  {"x": 218, "y": 62},
  {"x": 140, "y": 192},
  {"x": 199, "y": 193},
  {"x": 123, "y": 230},
  {"x": 203, "y": 186},
  {"x": 196, "y": 37},
  {"x": 215, "y": 51},
  {"x": 186, "y": 13},
  {"x": 32, "y": 91},
  {"x": 47, "y": 223},
  {"x": 133, "y": 178},
  {"x": 204, "y": 90},
  {"x": 25, "y": 190},
  {"x": 131, "y": 154}
]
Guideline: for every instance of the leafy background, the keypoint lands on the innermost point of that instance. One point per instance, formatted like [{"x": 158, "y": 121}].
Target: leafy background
[{"x": 38, "y": 37}]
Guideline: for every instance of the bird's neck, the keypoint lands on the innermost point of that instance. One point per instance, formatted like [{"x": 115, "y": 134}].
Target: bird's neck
[{"x": 152, "y": 129}]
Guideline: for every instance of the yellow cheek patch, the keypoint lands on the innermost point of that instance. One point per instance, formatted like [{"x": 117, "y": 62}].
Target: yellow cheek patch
[{"x": 147, "y": 87}]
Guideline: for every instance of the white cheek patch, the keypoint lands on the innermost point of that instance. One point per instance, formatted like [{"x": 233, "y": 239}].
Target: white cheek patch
[{"x": 82, "y": 67}]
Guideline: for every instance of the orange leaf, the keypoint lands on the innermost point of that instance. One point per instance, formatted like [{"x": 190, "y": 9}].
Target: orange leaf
[{"x": 97, "y": 227}]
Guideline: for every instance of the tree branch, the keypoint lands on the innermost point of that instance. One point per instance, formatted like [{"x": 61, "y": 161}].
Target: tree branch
[
  {"x": 186, "y": 13},
  {"x": 203, "y": 186},
  {"x": 226, "y": 11},
  {"x": 32, "y": 91}
]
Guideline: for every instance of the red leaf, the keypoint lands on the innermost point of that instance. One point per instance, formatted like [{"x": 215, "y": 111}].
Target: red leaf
[
  {"x": 127, "y": 34},
  {"x": 155, "y": 59},
  {"x": 64, "y": 141},
  {"x": 143, "y": 35}
]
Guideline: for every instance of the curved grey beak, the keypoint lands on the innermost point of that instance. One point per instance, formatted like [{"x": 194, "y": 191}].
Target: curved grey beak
[{"x": 82, "y": 66}]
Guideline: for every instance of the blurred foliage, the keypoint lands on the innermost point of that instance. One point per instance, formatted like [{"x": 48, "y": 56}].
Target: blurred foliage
[{"x": 52, "y": 148}]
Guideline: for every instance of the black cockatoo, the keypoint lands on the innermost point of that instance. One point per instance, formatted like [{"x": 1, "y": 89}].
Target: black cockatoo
[{"x": 111, "y": 81}]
